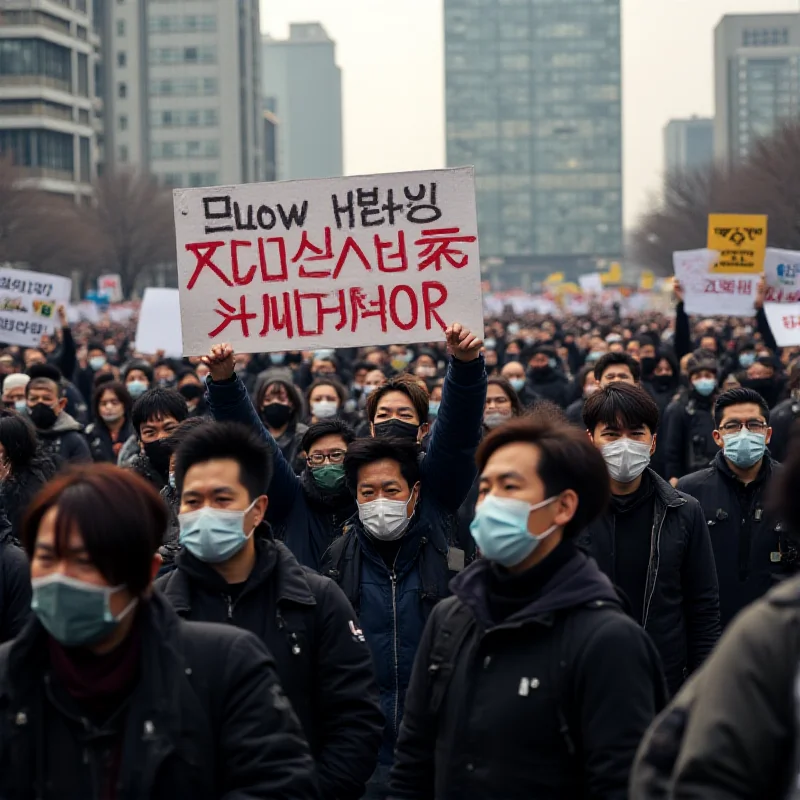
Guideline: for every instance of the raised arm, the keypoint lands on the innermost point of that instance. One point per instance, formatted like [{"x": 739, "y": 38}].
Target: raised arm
[
  {"x": 683, "y": 337},
  {"x": 762, "y": 325},
  {"x": 67, "y": 360},
  {"x": 229, "y": 401},
  {"x": 448, "y": 469}
]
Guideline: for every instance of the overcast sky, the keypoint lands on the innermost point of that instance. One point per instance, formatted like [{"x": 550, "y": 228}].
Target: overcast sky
[{"x": 390, "y": 52}]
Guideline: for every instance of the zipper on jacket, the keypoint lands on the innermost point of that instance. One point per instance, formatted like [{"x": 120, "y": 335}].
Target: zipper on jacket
[
  {"x": 229, "y": 603},
  {"x": 655, "y": 555},
  {"x": 393, "y": 578}
]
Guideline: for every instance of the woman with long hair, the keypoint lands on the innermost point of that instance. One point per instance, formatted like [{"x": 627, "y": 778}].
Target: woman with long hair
[{"x": 111, "y": 411}]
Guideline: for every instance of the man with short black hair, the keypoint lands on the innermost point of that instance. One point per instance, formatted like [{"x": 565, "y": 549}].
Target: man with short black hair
[
  {"x": 231, "y": 570},
  {"x": 544, "y": 376},
  {"x": 752, "y": 550},
  {"x": 613, "y": 367},
  {"x": 653, "y": 541}
]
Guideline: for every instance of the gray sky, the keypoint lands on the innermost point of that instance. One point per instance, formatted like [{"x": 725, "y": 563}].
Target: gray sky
[{"x": 390, "y": 52}]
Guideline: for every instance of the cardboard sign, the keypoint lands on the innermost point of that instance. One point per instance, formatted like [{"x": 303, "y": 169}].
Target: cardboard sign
[
  {"x": 784, "y": 322},
  {"x": 159, "y": 326},
  {"x": 29, "y": 304},
  {"x": 328, "y": 263},
  {"x": 591, "y": 283},
  {"x": 110, "y": 286},
  {"x": 740, "y": 239},
  {"x": 782, "y": 274},
  {"x": 708, "y": 293}
]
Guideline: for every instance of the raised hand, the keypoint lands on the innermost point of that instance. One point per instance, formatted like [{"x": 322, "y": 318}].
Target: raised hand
[
  {"x": 220, "y": 362},
  {"x": 462, "y": 343}
]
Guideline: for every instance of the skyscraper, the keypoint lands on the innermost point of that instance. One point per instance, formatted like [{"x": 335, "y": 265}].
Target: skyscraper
[
  {"x": 302, "y": 76},
  {"x": 756, "y": 80},
  {"x": 688, "y": 144},
  {"x": 47, "y": 76},
  {"x": 534, "y": 101},
  {"x": 181, "y": 90}
]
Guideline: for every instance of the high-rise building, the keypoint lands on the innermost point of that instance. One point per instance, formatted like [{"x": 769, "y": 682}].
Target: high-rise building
[
  {"x": 271, "y": 124},
  {"x": 181, "y": 95},
  {"x": 47, "y": 90},
  {"x": 534, "y": 101},
  {"x": 756, "y": 80},
  {"x": 302, "y": 76},
  {"x": 688, "y": 144}
]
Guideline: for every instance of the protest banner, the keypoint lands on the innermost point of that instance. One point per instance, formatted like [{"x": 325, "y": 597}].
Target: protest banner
[
  {"x": 740, "y": 240},
  {"x": 110, "y": 286},
  {"x": 159, "y": 326},
  {"x": 782, "y": 275},
  {"x": 29, "y": 305},
  {"x": 591, "y": 283},
  {"x": 339, "y": 262},
  {"x": 784, "y": 322},
  {"x": 708, "y": 293}
]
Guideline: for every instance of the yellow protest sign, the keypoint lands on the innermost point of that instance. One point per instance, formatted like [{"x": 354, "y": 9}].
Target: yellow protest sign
[
  {"x": 647, "y": 280},
  {"x": 554, "y": 278},
  {"x": 740, "y": 239}
]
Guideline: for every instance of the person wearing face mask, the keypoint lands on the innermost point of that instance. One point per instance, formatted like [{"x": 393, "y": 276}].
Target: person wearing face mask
[
  {"x": 586, "y": 381},
  {"x": 653, "y": 542},
  {"x": 61, "y": 437},
  {"x": 783, "y": 416},
  {"x": 193, "y": 391},
  {"x": 689, "y": 421},
  {"x": 752, "y": 550},
  {"x": 14, "y": 392},
  {"x": 514, "y": 373},
  {"x": 231, "y": 570},
  {"x": 325, "y": 399},
  {"x": 545, "y": 377},
  {"x": 112, "y": 427},
  {"x": 661, "y": 383},
  {"x": 107, "y": 687},
  {"x": 764, "y": 377},
  {"x": 531, "y": 681},
  {"x": 281, "y": 408}
]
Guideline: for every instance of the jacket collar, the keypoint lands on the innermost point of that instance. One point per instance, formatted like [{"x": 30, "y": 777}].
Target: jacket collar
[
  {"x": 721, "y": 463},
  {"x": 665, "y": 494}
]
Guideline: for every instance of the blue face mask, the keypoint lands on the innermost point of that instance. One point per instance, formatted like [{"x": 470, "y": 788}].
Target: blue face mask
[
  {"x": 320, "y": 355},
  {"x": 704, "y": 386},
  {"x": 500, "y": 529},
  {"x": 277, "y": 358},
  {"x": 433, "y": 408},
  {"x": 744, "y": 449},
  {"x": 21, "y": 406},
  {"x": 136, "y": 388},
  {"x": 747, "y": 360},
  {"x": 213, "y": 535},
  {"x": 73, "y": 612},
  {"x": 97, "y": 362},
  {"x": 518, "y": 384}
]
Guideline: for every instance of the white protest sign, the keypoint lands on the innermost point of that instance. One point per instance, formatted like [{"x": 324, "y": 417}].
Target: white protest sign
[
  {"x": 83, "y": 312},
  {"x": 710, "y": 293},
  {"x": 110, "y": 286},
  {"x": 782, "y": 274},
  {"x": 328, "y": 263},
  {"x": 784, "y": 322},
  {"x": 591, "y": 283},
  {"x": 29, "y": 305},
  {"x": 159, "y": 325}
]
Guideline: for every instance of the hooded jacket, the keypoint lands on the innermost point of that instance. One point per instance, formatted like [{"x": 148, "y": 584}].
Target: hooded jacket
[
  {"x": 681, "y": 600},
  {"x": 552, "y": 385},
  {"x": 550, "y": 703},
  {"x": 207, "y": 719},
  {"x": 752, "y": 550},
  {"x": 65, "y": 441},
  {"x": 15, "y": 583},
  {"x": 688, "y": 438},
  {"x": 19, "y": 488},
  {"x": 322, "y": 660}
]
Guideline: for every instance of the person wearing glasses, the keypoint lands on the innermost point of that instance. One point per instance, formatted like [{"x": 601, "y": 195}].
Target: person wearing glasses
[{"x": 752, "y": 549}]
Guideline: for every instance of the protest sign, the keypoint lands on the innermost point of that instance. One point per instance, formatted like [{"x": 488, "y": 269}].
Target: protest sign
[
  {"x": 159, "y": 326},
  {"x": 29, "y": 305},
  {"x": 708, "y": 293},
  {"x": 591, "y": 283},
  {"x": 83, "y": 312},
  {"x": 328, "y": 263},
  {"x": 782, "y": 275},
  {"x": 740, "y": 239},
  {"x": 110, "y": 286},
  {"x": 784, "y": 322}
]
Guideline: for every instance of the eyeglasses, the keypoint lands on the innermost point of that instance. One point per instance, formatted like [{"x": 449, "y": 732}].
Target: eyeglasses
[
  {"x": 318, "y": 459},
  {"x": 753, "y": 425}
]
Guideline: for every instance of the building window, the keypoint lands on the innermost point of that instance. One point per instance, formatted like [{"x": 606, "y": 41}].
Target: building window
[
  {"x": 86, "y": 164},
  {"x": 39, "y": 149},
  {"x": 122, "y": 58},
  {"x": 36, "y": 57},
  {"x": 123, "y": 154},
  {"x": 83, "y": 75},
  {"x": 120, "y": 27},
  {"x": 172, "y": 179},
  {"x": 122, "y": 90},
  {"x": 123, "y": 122}
]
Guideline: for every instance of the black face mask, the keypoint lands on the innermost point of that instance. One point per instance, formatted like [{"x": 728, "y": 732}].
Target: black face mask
[
  {"x": 276, "y": 415},
  {"x": 43, "y": 416},
  {"x": 191, "y": 391},
  {"x": 662, "y": 382},
  {"x": 541, "y": 372},
  {"x": 158, "y": 455},
  {"x": 397, "y": 429},
  {"x": 648, "y": 365}
]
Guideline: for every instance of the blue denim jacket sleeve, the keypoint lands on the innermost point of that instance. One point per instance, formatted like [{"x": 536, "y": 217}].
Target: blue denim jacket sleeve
[
  {"x": 230, "y": 402},
  {"x": 448, "y": 468}
]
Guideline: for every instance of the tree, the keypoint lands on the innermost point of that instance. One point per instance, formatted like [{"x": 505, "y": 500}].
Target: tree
[{"x": 132, "y": 222}]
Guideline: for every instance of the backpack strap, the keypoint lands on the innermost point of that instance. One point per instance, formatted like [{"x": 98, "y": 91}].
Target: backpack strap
[{"x": 447, "y": 644}]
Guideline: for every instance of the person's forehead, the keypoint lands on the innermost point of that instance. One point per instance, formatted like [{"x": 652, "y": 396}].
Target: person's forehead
[
  {"x": 519, "y": 457},
  {"x": 213, "y": 474},
  {"x": 493, "y": 390},
  {"x": 164, "y": 419},
  {"x": 330, "y": 442},
  {"x": 324, "y": 391},
  {"x": 617, "y": 369},
  {"x": 743, "y": 411},
  {"x": 395, "y": 399},
  {"x": 135, "y": 375}
]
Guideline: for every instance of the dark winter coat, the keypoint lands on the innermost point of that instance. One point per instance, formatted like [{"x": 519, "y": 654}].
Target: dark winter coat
[
  {"x": 393, "y": 605},
  {"x": 681, "y": 603},
  {"x": 101, "y": 444},
  {"x": 555, "y": 387},
  {"x": 781, "y": 420},
  {"x": 301, "y": 516},
  {"x": 751, "y": 549},
  {"x": 20, "y": 487},
  {"x": 574, "y": 412},
  {"x": 65, "y": 442},
  {"x": 549, "y": 704},
  {"x": 141, "y": 465},
  {"x": 689, "y": 443},
  {"x": 732, "y": 732},
  {"x": 663, "y": 395},
  {"x": 206, "y": 720},
  {"x": 322, "y": 660},
  {"x": 15, "y": 584}
]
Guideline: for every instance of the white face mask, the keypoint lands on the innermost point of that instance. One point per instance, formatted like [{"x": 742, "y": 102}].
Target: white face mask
[
  {"x": 626, "y": 460},
  {"x": 324, "y": 409},
  {"x": 386, "y": 520}
]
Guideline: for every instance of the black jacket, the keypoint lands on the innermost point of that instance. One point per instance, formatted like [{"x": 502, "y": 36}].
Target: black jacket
[
  {"x": 207, "y": 719},
  {"x": 101, "y": 444},
  {"x": 689, "y": 443},
  {"x": 322, "y": 659},
  {"x": 681, "y": 604},
  {"x": 781, "y": 420},
  {"x": 65, "y": 442},
  {"x": 20, "y": 487},
  {"x": 550, "y": 704},
  {"x": 751, "y": 550},
  {"x": 555, "y": 387},
  {"x": 15, "y": 584}
]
